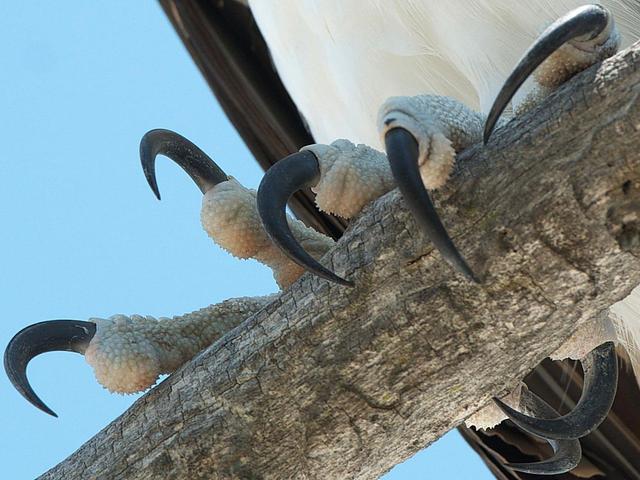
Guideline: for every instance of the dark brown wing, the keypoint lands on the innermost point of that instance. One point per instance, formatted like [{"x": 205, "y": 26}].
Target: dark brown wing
[{"x": 226, "y": 44}]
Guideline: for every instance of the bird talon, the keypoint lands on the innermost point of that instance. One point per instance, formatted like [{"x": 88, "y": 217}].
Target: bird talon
[
  {"x": 586, "y": 21},
  {"x": 402, "y": 152},
  {"x": 599, "y": 391},
  {"x": 282, "y": 180},
  {"x": 42, "y": 337},
  {"x": 566, "y": 453},
  {"x": 204, "y": 171}
]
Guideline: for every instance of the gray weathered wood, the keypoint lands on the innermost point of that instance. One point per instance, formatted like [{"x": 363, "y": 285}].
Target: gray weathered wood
[{"x": 331, "y": 382}]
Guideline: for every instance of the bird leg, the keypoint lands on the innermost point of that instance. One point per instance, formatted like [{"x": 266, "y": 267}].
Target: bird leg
[
  {"x": 579, "y": 39},
  {"x": 127, "y": 353}
]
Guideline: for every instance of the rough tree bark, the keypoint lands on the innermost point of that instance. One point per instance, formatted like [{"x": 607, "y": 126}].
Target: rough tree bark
[{"x": 332, "y": 382}]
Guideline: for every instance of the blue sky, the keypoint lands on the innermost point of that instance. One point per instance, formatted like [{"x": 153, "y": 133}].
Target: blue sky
[{"x": 83, "y": 236}]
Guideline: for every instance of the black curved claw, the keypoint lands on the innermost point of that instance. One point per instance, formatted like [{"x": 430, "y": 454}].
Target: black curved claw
[
  {"x": 194, "y": 161},
  {"x": 598, "y": 393},
  {"x": 586, "y": 20},
  {"x": 50, "y": 336},
  {"x": 566, "y": 453},
  {"x": 282, "y": 180},
  {"x": 402, "y": 152}
]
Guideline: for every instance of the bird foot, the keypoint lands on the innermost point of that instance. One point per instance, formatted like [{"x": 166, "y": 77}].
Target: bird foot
[
  {"x": 490, "y": 416},
  {"x": 230, "y": 217},
  {"x": 127, "y": 353},
  {"x": 229, "y": 214},
  {"x": 345, "y": 178},
  {"x": 577, "y": 40},
  {"x": 600, "y": 41},
  {"x": 422, "y": 135},
  {"x": 441, "y": 127}
]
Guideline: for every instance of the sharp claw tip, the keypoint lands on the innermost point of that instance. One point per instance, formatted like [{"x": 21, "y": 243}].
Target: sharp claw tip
[
  {"x": 51, "y": 412},
  {"x": 465, "y": 270},
  {"x": 487, "y": 135},
  {"x": 40, "y": 405},
  {"x": 332, "y": 277},
  {"x": 153, "y": 185}
]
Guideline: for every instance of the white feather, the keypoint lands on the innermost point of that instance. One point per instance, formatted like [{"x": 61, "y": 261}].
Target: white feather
[{"x": 625, "y": 317}]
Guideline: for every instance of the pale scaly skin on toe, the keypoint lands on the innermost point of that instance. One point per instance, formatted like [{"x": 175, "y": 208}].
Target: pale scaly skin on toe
[
  {"x": 577, "y": 55},
  {"x": 351, "y": 176},
  {"x": 129, "y": 353},
  {"x": 230, "y": 217},
  {"x": 569, "y": 60},
  {"x": 443, "y": 126}
]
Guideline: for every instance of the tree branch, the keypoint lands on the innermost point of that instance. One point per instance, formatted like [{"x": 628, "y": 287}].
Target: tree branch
[{"x": 332, "y": 382}]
